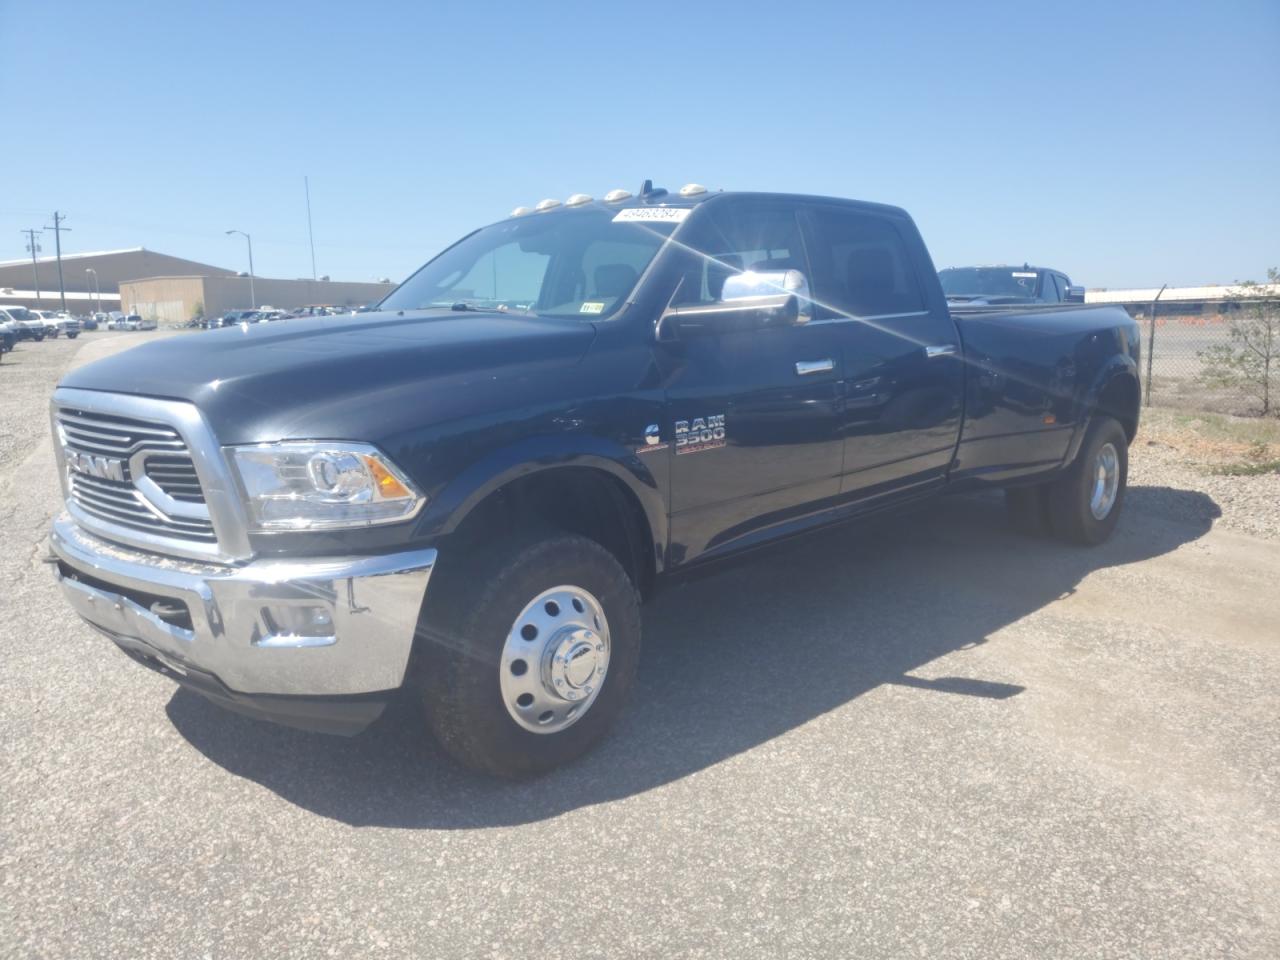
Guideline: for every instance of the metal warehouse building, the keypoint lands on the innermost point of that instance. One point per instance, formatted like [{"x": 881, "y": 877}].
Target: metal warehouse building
[
  {"x": 163, "y": 287},
  {"x": 173, "y": 299},
  {"x": 35, "y": 284}
]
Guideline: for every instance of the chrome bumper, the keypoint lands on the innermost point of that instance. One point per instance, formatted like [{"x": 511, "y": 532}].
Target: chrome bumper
[{"x": 358, "y": 614}]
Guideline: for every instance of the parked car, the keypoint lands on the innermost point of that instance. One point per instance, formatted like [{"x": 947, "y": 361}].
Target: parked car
[
  {"x": 26, "y": 324},
  {"x": 233, "y": 317},
  {"x": 473, "y": 497},
  {"x": 1008, "y": 285},
  {"x": 271, "y": 314},
  {"x": 91, "y": 322},
  {"x": 58, "y": 322},
  {"x": 8, "y": 334},
  {"x": 67, "y": 324}
]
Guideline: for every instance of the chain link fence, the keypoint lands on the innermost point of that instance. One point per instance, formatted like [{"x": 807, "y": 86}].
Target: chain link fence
[{"x": 1180, "y": 365}]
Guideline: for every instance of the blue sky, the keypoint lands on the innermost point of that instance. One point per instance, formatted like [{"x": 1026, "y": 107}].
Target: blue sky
[{"x": 1125, "y": 143}]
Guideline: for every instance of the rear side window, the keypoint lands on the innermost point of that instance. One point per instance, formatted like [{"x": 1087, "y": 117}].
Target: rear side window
[
  {"x": 1051, "y": 293},
  {"x": 862, "y": 267}
]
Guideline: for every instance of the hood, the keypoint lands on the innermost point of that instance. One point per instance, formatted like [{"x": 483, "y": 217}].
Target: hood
[{"x": 349, "y": 377}]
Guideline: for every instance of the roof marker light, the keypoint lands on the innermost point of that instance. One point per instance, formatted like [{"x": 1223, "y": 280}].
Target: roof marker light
[
  {"x": 547, "y": 204},
  {"x": 577, "y": 200},
  {"x": 692, "y": 189},
  {"x": 519, "y": 211},
  {"x": 617, "y": 196}
]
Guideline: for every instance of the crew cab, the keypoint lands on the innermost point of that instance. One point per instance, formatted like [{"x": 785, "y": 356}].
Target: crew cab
[
  {"x": 468, "y": 493},
  {"x": 1008, "y": 285}
]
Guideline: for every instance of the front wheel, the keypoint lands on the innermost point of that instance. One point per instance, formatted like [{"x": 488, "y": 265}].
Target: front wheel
[
  {"x": 530, "y": 654},
  {"x": 72, "y": 336}
]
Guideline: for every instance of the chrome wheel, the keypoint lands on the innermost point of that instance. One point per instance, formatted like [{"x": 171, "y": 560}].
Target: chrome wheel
[
  {"x": 555, "y": 659},
  {"x": 1106, "y": 482}
]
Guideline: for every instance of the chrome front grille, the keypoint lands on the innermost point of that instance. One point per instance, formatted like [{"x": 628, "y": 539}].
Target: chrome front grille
[
  {"x": 176, "y": 476},
  {"x": 135, "y": 474}
]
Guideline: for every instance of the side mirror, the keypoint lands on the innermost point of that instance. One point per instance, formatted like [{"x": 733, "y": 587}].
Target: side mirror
[
  {"x": 748, "y": 301},
  {"x": 753, "y": 285},
  {"x": 1074, "y": 295},
  {"x": 731, "y": 317}
]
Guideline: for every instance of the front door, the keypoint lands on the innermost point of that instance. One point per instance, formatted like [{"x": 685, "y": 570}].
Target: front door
[{"x": 753, "y": 415}]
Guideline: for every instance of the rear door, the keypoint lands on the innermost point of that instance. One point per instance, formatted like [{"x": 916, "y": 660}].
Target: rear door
[
  {"x": 754, "y": 415},
  {"x": 900, "y": 349}
]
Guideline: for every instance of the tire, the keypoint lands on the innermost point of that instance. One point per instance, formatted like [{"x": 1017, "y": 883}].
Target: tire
[
  {"x": 1080, "y": 509},
  {"x": 1028, "y": 509},
  {"x": 72, "y": 336},
  {"x": 492, "y": 640}
]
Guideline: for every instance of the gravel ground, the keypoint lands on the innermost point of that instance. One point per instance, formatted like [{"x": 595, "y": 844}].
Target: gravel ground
[
  {"x": 1178, "y": 450},
  {"x": 928, "y": 738}
]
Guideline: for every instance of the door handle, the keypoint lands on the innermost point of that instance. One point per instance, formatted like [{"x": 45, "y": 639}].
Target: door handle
[
  {"x": 942, "y": 350},
  {"x": 805, "y": 367}
]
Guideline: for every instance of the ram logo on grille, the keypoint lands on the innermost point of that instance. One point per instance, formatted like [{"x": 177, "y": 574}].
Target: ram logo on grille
[{"x": 104, "y": 468}]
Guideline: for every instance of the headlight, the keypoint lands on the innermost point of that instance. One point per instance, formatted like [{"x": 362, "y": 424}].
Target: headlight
[{"x": 306, "y": 485}]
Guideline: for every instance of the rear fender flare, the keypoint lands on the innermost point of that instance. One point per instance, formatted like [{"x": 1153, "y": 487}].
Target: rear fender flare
[{"x": 1119, "y": 365}]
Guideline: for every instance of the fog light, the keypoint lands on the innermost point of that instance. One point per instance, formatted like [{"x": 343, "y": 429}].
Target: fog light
[{"x": 304, "y": 621}]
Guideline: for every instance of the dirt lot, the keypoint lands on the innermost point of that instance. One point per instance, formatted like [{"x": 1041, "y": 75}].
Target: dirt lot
[{"x": 927, "y": 738}]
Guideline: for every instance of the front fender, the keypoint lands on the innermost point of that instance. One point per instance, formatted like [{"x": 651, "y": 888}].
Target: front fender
[{"x": 455, "y": 501}]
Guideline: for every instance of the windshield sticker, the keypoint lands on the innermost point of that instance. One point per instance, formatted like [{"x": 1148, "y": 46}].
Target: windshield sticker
[
  {"x": 592, "y": 306},
  {"x": 651, "y": 214},
  {"x": 1030, "y": 276}
]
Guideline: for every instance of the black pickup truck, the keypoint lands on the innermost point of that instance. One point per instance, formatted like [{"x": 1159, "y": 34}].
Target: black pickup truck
[
  {"x": 1008, "y": 286},
  {"x": 469, "y": 492}
]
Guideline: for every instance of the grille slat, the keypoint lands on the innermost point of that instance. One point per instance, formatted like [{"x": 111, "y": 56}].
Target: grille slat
[{"x": 167, "y": 464}]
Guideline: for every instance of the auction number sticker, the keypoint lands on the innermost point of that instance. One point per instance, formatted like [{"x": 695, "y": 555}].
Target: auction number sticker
[
  {"x": 592, "y": 306},
  {"x": 1018, "y": 273},
  {"x": 652, "y": 214}
]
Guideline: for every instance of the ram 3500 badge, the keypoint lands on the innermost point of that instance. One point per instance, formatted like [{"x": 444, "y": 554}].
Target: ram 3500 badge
[{"x": 468, "y": 493}]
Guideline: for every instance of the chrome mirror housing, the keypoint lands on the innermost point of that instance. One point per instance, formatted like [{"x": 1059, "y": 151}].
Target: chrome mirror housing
[{"x": 754, "y": 285}]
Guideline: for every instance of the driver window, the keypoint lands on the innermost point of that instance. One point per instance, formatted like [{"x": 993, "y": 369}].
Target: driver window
[{"x": 738, "y": 239}]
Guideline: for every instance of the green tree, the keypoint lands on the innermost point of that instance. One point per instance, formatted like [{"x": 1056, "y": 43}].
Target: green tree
[
  {"x": 198, "y": 310},
  {"x": 1250, "y": 361}
]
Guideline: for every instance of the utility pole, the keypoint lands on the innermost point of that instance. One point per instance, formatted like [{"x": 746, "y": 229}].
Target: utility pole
[
  {"x": 306, "y": 185},
  {"x": 57, "y": 229},
  {"x": 34, "y": 248}
]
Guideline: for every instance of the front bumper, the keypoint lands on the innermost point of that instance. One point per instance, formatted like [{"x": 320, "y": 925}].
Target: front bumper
[{"x": 232, "y": 632}]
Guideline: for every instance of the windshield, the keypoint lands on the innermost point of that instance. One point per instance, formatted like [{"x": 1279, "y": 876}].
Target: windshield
[
  {"x": 988, "y": 282},
  {"x": 580, "y": 263},
  {"x": 18, "y": 313}
]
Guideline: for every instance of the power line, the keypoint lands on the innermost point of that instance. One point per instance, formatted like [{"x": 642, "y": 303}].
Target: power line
[
  {"x": 57, "y": 229},
  {"x": 35, "y": 249}
]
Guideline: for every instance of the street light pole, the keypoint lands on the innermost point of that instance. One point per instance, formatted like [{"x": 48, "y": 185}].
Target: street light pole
[
  {"x": 97, "y": 289},
  {"x": 253, "y": 299}
]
